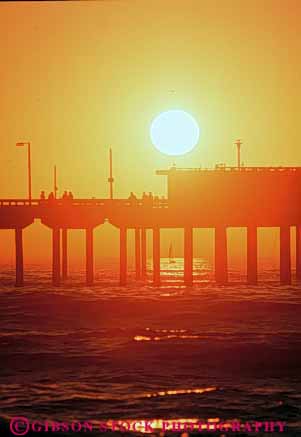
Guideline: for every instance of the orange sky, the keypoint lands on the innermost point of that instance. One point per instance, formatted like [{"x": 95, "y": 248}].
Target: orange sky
[{"x": 79, "y": 76}]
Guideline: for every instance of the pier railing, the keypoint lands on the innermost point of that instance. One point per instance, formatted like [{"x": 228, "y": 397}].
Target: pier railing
[
  {"x": 224, "y": 168},
  {"x": 155, "y": 203}
]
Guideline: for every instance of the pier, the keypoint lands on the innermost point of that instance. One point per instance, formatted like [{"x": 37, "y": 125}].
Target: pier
[{"x": 220, "y": 198}]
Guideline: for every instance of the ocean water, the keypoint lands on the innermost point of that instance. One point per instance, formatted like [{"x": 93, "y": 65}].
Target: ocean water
[{"x": 106, "y": 352}]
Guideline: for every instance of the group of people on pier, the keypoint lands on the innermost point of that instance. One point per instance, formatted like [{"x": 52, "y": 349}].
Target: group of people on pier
[
  {"x": 147, "y": 199},
  {"x": 67, "y": 195}
]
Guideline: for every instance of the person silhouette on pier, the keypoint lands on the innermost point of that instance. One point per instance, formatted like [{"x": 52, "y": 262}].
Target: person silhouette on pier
[
  {"x": 42, "y": 195},
  {"x": 132, "y": 198},
  {"x": 51, "y": 197},
  {"x": 65, "y": 195},
  {"x": 147, "y": 199},
  {"x": 70, "y": 195}
]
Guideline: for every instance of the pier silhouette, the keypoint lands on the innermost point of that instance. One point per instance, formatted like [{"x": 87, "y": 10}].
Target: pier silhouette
[{"x": 219, "y": 198}]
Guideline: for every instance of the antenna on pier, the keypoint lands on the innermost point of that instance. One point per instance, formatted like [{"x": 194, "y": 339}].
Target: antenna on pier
[
  {"x": 55, "y": 188},
  {"x": 111, "y": 179},
  {"x": 238, "y": 145}
]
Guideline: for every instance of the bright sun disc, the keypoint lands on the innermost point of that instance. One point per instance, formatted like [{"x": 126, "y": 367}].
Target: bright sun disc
[{"x": 174, "y": 132}]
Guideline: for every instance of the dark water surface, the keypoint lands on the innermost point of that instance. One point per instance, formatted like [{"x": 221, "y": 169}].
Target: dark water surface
[{"x": 106, "y": 352}]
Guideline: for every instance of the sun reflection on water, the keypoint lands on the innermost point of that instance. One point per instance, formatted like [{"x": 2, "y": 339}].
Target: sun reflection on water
[{"x": 181, "y": 392}]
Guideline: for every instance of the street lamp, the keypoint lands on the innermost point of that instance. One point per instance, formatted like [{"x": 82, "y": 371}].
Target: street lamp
[
  {"x": 238, "y": 145},
  {"x": 21, "y": 144},
  {"x": 111, "y": 179},
  {"x": 55, "y": 187}
]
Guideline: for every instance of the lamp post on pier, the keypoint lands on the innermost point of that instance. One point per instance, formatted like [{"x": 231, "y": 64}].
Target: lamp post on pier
[
  {"x": 21, "y": 144},
  {"x": 110, "y": 178},
  {"x": 238, "y": 146}
]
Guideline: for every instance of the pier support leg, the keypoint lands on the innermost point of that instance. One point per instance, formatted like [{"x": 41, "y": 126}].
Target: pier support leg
[
  {"x": 221, "y": 258},
  {"x": 19, "y": 257},
  {"x": 64, "y": 254},
  {"x": 285, "y": 255},
  {"x": 138, "y": 253},
  {"x": 56, "y": 270},
  {"x": 156, "y": 256},
  {"x": 143, "y": 253},
  {"x": 188, "y": 255},
  {"x": 252, "y": 255},
  {"x": 123, "y": 256},
  {"x": 298, "y": 252},
  {"x": 89, "y": 257}
]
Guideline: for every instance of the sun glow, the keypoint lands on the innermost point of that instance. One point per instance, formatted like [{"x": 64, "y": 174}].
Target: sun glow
[{"x": 174, "y": 132}]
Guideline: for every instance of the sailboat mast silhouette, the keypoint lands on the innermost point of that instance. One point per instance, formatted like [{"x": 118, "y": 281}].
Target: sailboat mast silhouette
[{"x": 171, "y": 254}]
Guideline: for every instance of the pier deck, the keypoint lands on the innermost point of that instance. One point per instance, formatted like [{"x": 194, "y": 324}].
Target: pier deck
[{"x": 224, "y": 197}]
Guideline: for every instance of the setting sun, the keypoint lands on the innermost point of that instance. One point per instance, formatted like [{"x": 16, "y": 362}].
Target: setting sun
[{"x": 174, "y": 132}]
